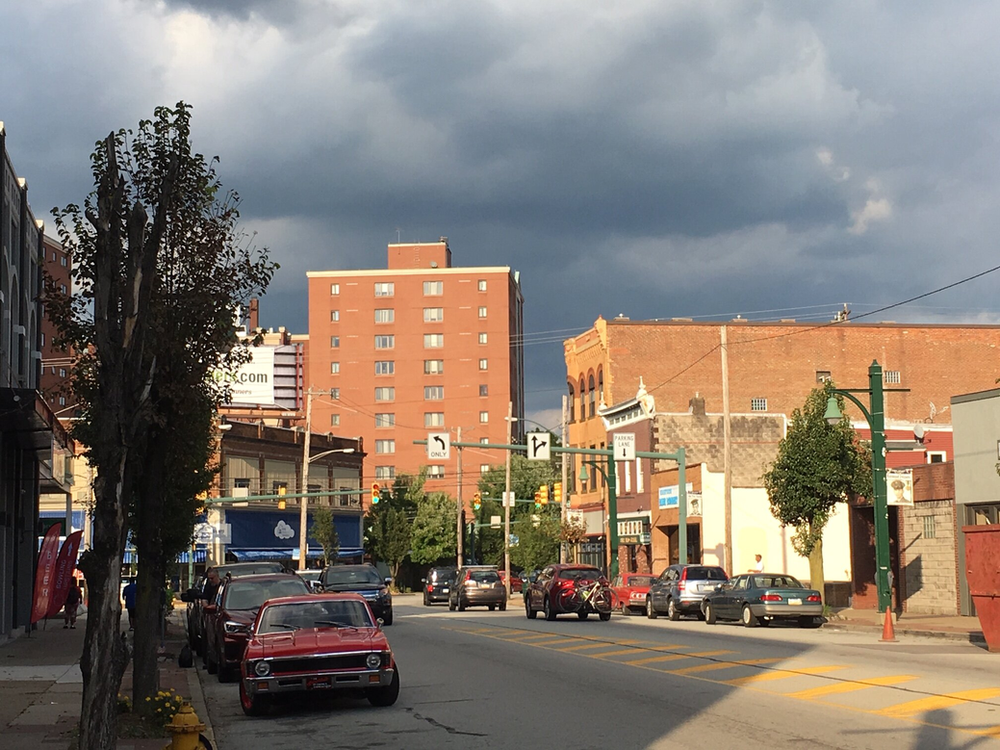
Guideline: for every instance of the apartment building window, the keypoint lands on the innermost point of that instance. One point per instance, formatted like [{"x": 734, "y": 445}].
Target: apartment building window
[
  {"x": 335, "y": 394},
  {"x": 482, "y": 285},
  {"x": 385, "y": 394},
  {"x": 433, "y": 393},
  {"x": 385, "y": 342},
  {"x": 334, "y": 290},
  {"x": 62, "y": 261},
  {"x": 384, "y": 289},
  {"x": 434, "y": 419},
  {"x": 385, "y": 315},
  {"x": 433, "y": 288},
  {"x": 385, "y": 367},
  {"x": 383, "y": 473},
  {"x": 484, "y": 441},
  {"x": 484, "y": 468},
  {"x": 484, "y": 417},
  {"x": 62, "y": 288},
  {"x": 385, "y": 419},
  {"x": 484, "y": 390},
  {"x": 335, "y": 368},
  {"x": 936, "y": 457},
  {"x": 62, "y": 401},
  {"x": 484, "y": 364},
  {"x": 335, "y": 342},
  {"x": 930, "y": 528},
  {"x": 758, "y": 404},
  {"x": 435, "y": 471},
  {"x": 334, "y": 316},
  {"x": 433, "y": 314},
  {"x": 335, "y": 420},
  {"x": 385, "y": 446},
  {"x": 892, "y": 377},
  {"x": 433, "y": 366},
  {"x": 482, "y": 312},
  {"x": 823, "y": 376},
  {"x": 482, "y": 338},
  {"x": 62, "y": 372},
  {"x": 433, "y": 340}
]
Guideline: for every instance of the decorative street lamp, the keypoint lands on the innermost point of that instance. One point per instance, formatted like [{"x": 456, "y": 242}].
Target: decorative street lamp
[
  {"x": 876, "y": 424},
  {"x": 609, "y": 478}
]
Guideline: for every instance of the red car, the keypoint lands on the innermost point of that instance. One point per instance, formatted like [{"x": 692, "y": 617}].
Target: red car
[
  {"x": 515, "y": 581},
  {"x": 631, "y": 590},
  {"x": 229, "y": 618},
  {"x": 553, "y": 591},
  {"x": 320, "y": 642}
]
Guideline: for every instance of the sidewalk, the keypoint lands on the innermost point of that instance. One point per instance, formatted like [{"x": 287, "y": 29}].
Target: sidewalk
[
  {"x": 956, "y": 628},
  {"x": 41, "y": 686}
]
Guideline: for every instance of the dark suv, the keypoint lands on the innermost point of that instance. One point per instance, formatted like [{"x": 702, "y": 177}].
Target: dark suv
[
  {"x": 437, "y": 584},
  {"x": 364, "y": 580},
  {"x": 680, "y": 590}
]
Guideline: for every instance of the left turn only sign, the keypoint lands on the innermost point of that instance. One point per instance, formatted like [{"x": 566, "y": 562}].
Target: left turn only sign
[{"x": 438, "y": 446}]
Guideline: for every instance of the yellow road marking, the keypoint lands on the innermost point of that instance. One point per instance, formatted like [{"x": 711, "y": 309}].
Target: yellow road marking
[
  {"x": 782, "y": 674},
  {"x": 526, "y": 638},
  {"x": 672, "y": 657},
  {"x": 935, "y": 702},
  {"x": 622, "y": 652},
  {"x": 849, "y": 687},
  {"x": 602, "y": 644},
  {"x": 551, "y": 642},
  {"x": 722, "y": 665}
]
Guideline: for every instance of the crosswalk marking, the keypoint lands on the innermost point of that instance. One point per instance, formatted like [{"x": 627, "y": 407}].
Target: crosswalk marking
[
  {"x": 550, "y": 641},
  {"x": 722, "y": 665},
  {"x": 782, "y": 674},
  {"x": 621, "y": 652},
  {"x": 673, "y": 657},
  {"x": 602, "y": 644},
  {"x": 936, "y": 702},
  {"x": 849, "y": 687},
  {"x": 540, "y": 636}
]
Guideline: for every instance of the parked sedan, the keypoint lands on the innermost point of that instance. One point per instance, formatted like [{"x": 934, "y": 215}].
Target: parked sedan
[
  {"x": 554, "y": 585},
  {"x": 631, "y": 590},
  {"x": 437, "y": 584},
  {"x": 759, "y": 598},
  {"x": 320, "y": 642},
  {"x": 228, "y": 621}
]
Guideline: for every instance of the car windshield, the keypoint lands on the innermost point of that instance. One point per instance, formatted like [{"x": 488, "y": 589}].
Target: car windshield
[
  {"x": 705, "y": 574},
  {"x": 249, "y": 569},
  {"x": 345, "y": 576},
  {"x": 483, "y": 576},
  {"x": 251, "y": 594},
  {"x": 442, "y": 576},
  {"x": 776, "y": 582},
  {"x": 316, "y": 614},
  {"x": 310, "y": 575},
  {"x": 580, "y": 574},
  {"x": 639, "y": 581}
]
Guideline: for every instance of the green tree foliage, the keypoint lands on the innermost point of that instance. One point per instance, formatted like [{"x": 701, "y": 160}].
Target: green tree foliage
[
  {"x": 817, "y": 466},
  {"x": 525, "y": 477},
  {"x": 489, "y": 542},
  {"x": 324, "y": 532},
  {"x": 395, "y": 542},
  {"x": 538, "y": 542},
  {"x": 151, "y": 317},
  {"x": 433, "y": 537}
]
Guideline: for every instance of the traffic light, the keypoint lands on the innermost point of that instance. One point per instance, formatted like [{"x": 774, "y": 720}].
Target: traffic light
[
  {"x": 557, "y": 493},
  {"x": 281, "y": 500},
  {"x": 538, "y": 500},
  {"x": 543, "y": 494},
  {"x": 376, "y": 493},
  {"x": 477, "y": 501}
]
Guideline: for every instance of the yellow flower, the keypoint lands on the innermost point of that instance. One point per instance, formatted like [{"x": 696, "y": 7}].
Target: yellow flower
[
  {"x": 159, "y": 710},
  {"x": 148, "y": 699}
]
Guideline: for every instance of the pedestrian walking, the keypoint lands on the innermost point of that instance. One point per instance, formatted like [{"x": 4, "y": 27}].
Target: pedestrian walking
[
  {"x": 73, "y": 598},
  {"x": 128, "y": 594}
]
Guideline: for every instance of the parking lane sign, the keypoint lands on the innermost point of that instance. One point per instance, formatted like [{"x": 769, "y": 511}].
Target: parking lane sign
[{"x": 624, "y": 446}]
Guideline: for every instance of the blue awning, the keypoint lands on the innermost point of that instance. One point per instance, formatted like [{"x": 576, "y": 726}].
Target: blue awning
[
  {"x": 131, "y": 557},
  {"x": 245, "y": 554}
]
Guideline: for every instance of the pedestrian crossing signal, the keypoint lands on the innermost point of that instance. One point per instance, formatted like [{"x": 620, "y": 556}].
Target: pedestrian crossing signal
[{"x": 376, "y": 493}]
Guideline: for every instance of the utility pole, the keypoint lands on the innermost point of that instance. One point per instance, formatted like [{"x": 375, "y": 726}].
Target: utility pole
[
  {"x": 727, "y": 458},
  {"x": 506, "y": 501},
  {"x": 459, "y": 526},
  {"x": 563, "y": 551},
  {"x": 304, "y": 484}
]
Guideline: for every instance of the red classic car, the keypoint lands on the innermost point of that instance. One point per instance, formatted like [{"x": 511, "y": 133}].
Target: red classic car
[
  {"x": 316, "y": 642},
  {"x": 516, "y": 583},
  {"x": 631, "y": 590}
]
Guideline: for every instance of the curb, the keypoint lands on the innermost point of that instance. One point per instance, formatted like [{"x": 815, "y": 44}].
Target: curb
[
  {"x": 846, "y": 626},
  {"x": 198, "y": 702}
]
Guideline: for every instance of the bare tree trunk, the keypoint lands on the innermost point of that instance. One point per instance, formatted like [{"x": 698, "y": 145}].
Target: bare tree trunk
[
  {"x": 816, "y": 577},
  {"x": 145, "y": 668}
]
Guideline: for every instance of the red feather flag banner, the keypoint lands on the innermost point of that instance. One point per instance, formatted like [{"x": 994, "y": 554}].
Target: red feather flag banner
[
  {"x": 45, "y": 575},
  {"x": 65, "y": 564}
]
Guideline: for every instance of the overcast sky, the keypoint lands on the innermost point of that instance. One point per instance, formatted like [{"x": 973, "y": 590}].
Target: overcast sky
[{"x": 656, "y": 159}]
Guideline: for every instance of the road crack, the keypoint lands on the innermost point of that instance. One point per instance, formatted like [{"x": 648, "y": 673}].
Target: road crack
[{"x": 435, "y": 723}]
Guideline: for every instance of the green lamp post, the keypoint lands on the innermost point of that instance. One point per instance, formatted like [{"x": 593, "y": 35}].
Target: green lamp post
[{"x": 609, "y": 478}]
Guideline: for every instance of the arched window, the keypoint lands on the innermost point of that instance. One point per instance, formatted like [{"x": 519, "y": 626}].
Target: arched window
[
  {"x": 600, "y": 384},
  {"x": 591, "y": 392},
  {"x": 572, "y": 403},
  {"x": 583, "y": 399}
]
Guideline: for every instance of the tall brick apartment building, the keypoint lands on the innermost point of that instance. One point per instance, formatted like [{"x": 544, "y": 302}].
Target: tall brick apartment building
[{"x": 419, "y": 346}]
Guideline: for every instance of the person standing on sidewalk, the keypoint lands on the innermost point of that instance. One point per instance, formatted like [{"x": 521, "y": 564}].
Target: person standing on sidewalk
[
  {"x": 128, "y": 594},
  {"x": 73, "y": 598}
]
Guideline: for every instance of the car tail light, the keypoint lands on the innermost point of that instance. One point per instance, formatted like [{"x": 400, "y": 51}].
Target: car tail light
[
  {"x": 813, "y": 598},
  {"x": 771, "y": 598},
  {"x": 430, "y": 587},
  {"x": 681, "y": 585}
]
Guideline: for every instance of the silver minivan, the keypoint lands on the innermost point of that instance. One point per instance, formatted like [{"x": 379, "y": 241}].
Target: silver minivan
[{"x": 680, "y": 589}]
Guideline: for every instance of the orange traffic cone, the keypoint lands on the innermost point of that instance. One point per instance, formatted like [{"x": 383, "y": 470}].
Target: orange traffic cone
[{"x": 888, "y": 632}]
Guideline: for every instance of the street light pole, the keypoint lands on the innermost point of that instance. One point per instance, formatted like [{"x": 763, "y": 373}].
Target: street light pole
[
  {"x": 304, "y": 484},
  {"x": 609, "y": 479},
  {"x": 506, "y": 501}
]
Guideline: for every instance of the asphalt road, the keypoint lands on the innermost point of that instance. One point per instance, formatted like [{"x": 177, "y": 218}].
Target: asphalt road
[{"x": 483, "y": 679}]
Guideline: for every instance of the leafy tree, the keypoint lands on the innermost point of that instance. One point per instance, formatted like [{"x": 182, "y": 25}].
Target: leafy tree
[
  {"x": 395, "y": 542},
  {"x": 408, "y": 490},
  {"x": 324, "y": 532},
  {"x": 572, "y": 532},
  {"x": 526, "y": 476},
  {"x": 818, "y": 465},
  {"x": 538, "y": 542},
  {"x": 489, "y": 542},
  {"x": 434, "y": 530},
  {"x": 152, "y": 316}
]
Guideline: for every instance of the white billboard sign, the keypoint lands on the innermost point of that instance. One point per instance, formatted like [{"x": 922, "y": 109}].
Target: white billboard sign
[{"x": 253, "y": 383}]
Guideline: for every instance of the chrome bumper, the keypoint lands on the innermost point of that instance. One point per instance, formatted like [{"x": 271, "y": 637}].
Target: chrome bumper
[
  {"x": 787, "y": 610},
  {"x": 318, "y": 681}
]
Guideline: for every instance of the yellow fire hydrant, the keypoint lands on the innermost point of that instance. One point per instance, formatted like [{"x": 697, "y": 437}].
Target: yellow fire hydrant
[{"x": 186, "y": 730}]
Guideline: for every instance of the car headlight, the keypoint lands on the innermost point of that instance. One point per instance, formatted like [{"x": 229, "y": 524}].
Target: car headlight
[
  {"x": 262, "y": 668},
  {"x": 236, "y": 627},
  {"x": 374, "y": 661}
]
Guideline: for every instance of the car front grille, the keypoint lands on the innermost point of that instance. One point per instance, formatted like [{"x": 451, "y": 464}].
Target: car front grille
[{"x": 319, "y": 663}]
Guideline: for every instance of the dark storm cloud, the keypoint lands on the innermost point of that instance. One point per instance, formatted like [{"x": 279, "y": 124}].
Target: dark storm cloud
[{"x": 653, "y": 159}]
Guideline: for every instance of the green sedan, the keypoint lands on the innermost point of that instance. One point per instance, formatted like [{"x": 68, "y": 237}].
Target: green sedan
[{"x": 759, "y": 598}]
